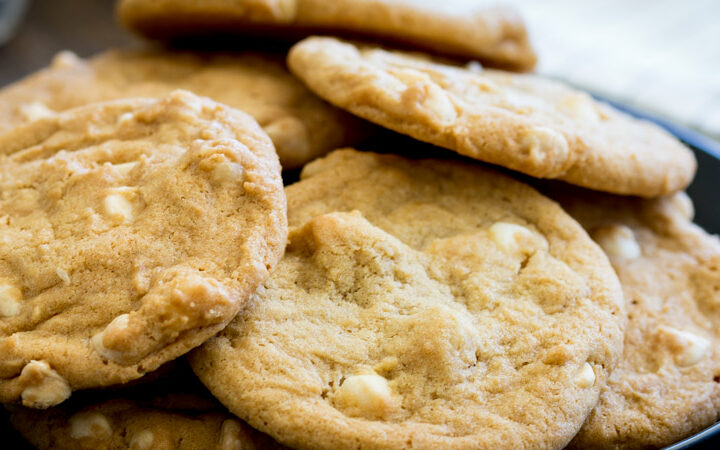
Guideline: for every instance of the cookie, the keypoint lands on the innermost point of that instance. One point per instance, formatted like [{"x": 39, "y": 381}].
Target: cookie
[
  {"x": 175, "y": 418},
  {"x": 667, "y": 386},
  {"x": 301, "y": 126},
  {"x": 130, "y": 232},
  {"x": 495, "y": 35},
  {"x": 535, "y": 126},
  {"x": 423, "y": 304}
]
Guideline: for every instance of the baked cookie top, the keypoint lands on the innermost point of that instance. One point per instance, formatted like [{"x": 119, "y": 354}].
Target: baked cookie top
[
  {"x": 130, "y": 232},
  {"x": 173, "y": 419},
  {"x": 424, "y": 304},
  {"x": 301, "y": 125},
  {"x": 523, "y": 122},
  {"x": 667, "y": 385},
  {"x": 493, "y": 34}
]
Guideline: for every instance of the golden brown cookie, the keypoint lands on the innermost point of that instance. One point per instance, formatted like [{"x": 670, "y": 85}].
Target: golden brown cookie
[
  {"x": 667, "y": 386},
  {"x": 493, "y": 34},
  {"x": 301, "y": 126},
  {"x": 522, "y": 122},
  {"x": 154, "y": 417},
  {"x": 423, "y": 304},
  {"x": 130, "y": 232}
]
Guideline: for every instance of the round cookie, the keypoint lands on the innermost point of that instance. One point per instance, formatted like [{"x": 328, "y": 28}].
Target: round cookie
[
  {"x": 176, "y": 418},
  {"x": 493, "y": 34},
  {"x": 301, "y": 125},
  {"x": 667, "y": 386},
  {"x": 423, "y": 304},
  {"x": 522, "y": 122},
  {"x": 130, "y": 232}
]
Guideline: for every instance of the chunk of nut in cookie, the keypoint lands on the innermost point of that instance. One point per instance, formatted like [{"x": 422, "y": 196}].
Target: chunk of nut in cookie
[
  {"x": 142, "y": 440},
  {"x": 618, "y": 242},
  {"x": 42, "y": 386},
  {"x": 90, "y": 424},
  {"x": 688, "y": 348},
  {"x": 368, "y": 393},
  {"x": 585, "y": 377},
  {"x": 10, "y": 297}
]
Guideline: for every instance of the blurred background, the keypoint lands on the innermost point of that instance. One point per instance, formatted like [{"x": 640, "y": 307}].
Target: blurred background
[{"x": 662, "y": 56}]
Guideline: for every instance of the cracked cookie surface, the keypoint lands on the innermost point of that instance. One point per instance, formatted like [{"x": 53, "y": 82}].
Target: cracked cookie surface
[
  {"x": 130, "y": 232},
  {"x": 667, "y": 385},
  {"x": 301, "y": 125},
  {"x": 523, "y": 122},
  {"x": 491, "y": 33},
  {"x": 421, "y": 304}
]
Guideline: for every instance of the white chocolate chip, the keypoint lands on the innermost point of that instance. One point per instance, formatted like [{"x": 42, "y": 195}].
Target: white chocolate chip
[
  {"x": 10, "y": 297},
  {"x": 228, "y": 172},
  {"x": 119, "y": 205},
  {"x": 223, "y": 168},
  {"x": 437, "y": 101},
  {"x": 65, "y": 58},
  {"x": 369, "y": 393},
  {"x": 126, "y": 118},
  {"x": 142, "y": 440},
  {"x": 509, "y": 236},
  {"x": 36, "y": 111},
  {"x": 579, "y": 105},
  {"x": 474, "y": 66},
  {"x": 543, "y": 144},
  {"x": 425, "y": 95},
  {"x": 585, "y": 377},
  {"x": 125, "y": 168},
  {"x": 119, "y": 323},
  {"x": 90, "y": 424},
  {"x": 682, "y": 203},
  {"x": 462, "y": 334},
  {"x": 688, "y": 348},
  {"x": 63, "y": 275},
  {"x": 390, "y": 84},
  {"x": 230, "y": 433},
  {"x": 43, "y": 387},
  {"x": 118, "y": 208},
  {"x": 618, "y": 241}
]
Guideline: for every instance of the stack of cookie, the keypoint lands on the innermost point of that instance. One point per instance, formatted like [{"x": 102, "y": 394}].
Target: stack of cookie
[{"x": 403, "y": 293}]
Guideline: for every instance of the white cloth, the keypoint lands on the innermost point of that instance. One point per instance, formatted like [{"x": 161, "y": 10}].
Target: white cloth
[{"x": 662, "y": 56}]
